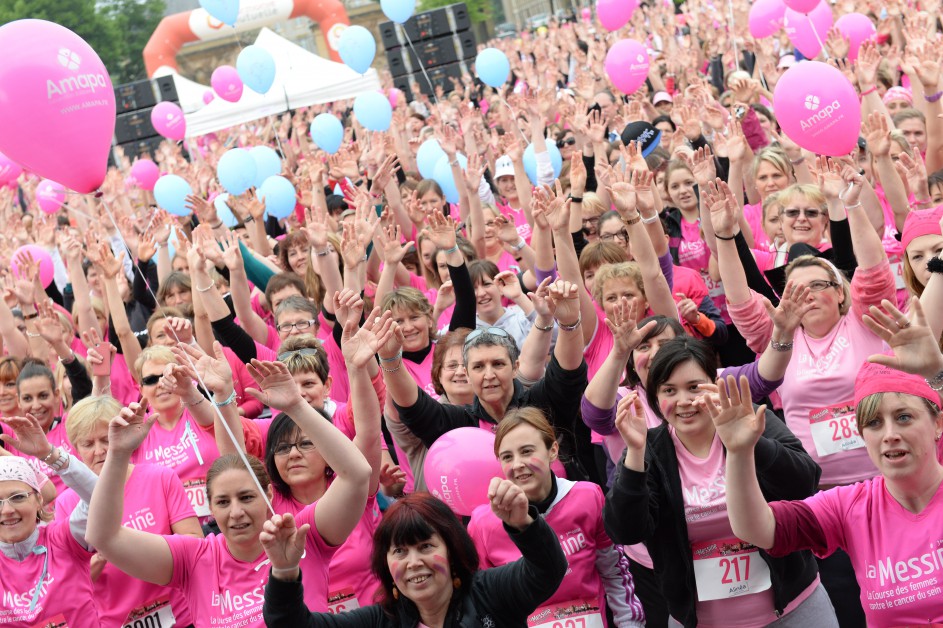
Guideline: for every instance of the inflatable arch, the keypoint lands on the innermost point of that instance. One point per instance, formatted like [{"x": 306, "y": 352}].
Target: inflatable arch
[{"x": 160, "y": 54}]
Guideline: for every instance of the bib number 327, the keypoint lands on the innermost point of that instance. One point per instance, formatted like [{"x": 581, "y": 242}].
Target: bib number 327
[{"x": 729, "y": 568}]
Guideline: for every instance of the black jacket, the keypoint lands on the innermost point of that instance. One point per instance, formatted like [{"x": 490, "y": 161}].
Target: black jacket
[
  {"x": 649, "y": 507},
  {"x": 497, "y": 597}
]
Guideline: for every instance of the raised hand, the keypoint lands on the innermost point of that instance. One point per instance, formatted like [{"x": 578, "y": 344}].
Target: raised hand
[
  {"x": 509, "y": 503},
  {"x": 28, "y": 436},
  {"x": 361, "y": 345},
  {"x": 687, "y": 308},
  {"x": 623, "y": 324},
  {"x": 128, "y": 430},
  {"x": 723, "y": 207},
  {"x": 792, "y": 308},
  {"x": 213, "y": 370},
  {"x": 441, "y": 230},
  {"x": 509, "y": 285},
  {"x": 738, "y": 425},
  {"x": 316, "y": 227},
  {"x": 630, "y": 421},
  {"x": 277, "y": 388},
  {"x": 877, "y": 134},
  {"x": 566, "y": 302},
  {"x": 283, "y": 541},
  {"x": 869, "y": 58},
  {"x": 828, "y": 175},
  {"x": 915, "y": 350},
  {"x": 702, "y": 166}
]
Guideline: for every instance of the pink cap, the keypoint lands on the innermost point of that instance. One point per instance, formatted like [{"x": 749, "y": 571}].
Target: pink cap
[
  {"x": 898, "y": 93},
  {"x": 920, "y": 223},
  {"x": 876, "y": 378},
  {"x": 17, "y": 469}
]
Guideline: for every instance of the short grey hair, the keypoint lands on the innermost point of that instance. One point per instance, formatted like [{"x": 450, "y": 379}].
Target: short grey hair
[{"x": 486, "y": 339}]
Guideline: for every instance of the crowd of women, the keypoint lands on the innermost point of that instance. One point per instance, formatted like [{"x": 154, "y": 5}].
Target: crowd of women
[{"x": 228, "y": 426}]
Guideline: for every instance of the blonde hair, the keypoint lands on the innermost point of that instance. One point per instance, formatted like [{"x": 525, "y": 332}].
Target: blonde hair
[
  {"x": 410, "y": 300},
  {"x": 811, "y": 193},
  {"x": 869, "y": 407},
  {"x": 777, "y": 158},
  {"x": 314, "y": 360},
  {"x": 88, "y": 414},
  {"x": 594, "y": 204},
  {"x": 527, "y": 415},
  {"x": 807, "y": 261},
  {"x": 622, "y": 270},
  {"x": 156, "y": 353}
]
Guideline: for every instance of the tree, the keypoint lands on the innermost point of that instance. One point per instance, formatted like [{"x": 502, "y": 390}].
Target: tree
[
  {"x": 136, "y": 21},
  {"x": 478, "y": 10}
]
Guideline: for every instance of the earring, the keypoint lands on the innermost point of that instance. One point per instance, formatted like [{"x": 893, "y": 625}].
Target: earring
[
  {"x": 395, "y": 593},
  {"x": 456, "y": 582}
]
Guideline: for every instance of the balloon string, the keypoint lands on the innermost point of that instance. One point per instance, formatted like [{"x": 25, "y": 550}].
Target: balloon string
[
  {"x": 733, "y": 37},
  {"x": 511, "y": 109},
  {"x": 232, "y": 437},
  {"x": 817, "y": 38}
]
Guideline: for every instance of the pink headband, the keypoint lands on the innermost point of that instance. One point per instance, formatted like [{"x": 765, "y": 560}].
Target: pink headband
[
  {"x": 898, "y": 93},
  {"x": 875, "y": 378},
  {"x": 920, "y": 223},
  {"x": 18, "y": 470}
]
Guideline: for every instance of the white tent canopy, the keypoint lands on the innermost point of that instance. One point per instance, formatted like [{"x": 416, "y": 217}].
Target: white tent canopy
[{"x": 301, "y": 79}]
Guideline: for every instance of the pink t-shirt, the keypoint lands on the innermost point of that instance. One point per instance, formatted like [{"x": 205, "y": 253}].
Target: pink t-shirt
[
  {"x": 753, "y": 213},
  {"x": 123, "y": 386},
  {"x": 520, "y": 220},
  {"x": 577, "y": 520},
  {"x": 351, "y": 582},
  {"x": 422, "y": 373},
  {"x": 189, "y": 450},
  {"x": 692, "y": 249},
  {"x": 897, "y": 555},
  {"x": 65, "y": 598},
  {"x": 226, "y": 592},
  {"x": 337, "y": 369},
  {"x": 154, "y": 501},
  {"x": 893, "y": 248}
]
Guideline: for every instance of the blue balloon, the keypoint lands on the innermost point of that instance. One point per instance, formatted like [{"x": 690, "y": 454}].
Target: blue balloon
[
  {"x": 226, "y": 11},
  {"x": 171, "y": 193},
  {"x": 530, "y": 161},
  {"x": 357, "y": 48},
  {"x": 327, "y": 132},
  {"x": 428, "y": 156},
  {"x": 256, "y": 68},
  {"x": 443, "y": 176},
  {"x": 267, "y": 163},
  {"x": 398, "y": 10},
  {"x": 493, "y": 67},
  {"x": 223, "y": 212},
  {"x": 373, "y": 111},
  {"x": 236, "y": 171},
  {"x": 279, "y": 196}
]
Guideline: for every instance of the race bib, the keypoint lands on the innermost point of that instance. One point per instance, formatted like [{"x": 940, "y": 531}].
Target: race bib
[
  {"x": 196, "y": 493},
  {"x": 156, "y": 614},
  {"x": 342, "y": 601},
  {"x": 574, "y": 614},
  {"x": 898, "y": 269},
  {"x": 55, "y": 622},
  {"x": 728, "y": 568},
  {"x": 834, "y": 429}
]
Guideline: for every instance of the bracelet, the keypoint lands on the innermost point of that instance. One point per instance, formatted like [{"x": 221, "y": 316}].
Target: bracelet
[
  {"x": 575, "y": 199},
  {"x": 925, "y": 201},
  {"x": 391, "y": 370},
  {"x": 796, "y": 162},
  {"x": 519, "y": 245},
  {"x": 934, "y": 97},
  {"x": 632, "y": 221},
  {"x": 229, "y": 400},
  {"x": 855, "y": 206},
  {"x": 935, "y": 265},
  {"x": 30, "y": 334},
  {"x": 570, "y": 327},
  {"x": 869, "y": 91},
  {"x": 781, "y": 346},
  {"x": 248, "y": 220},
  {"x": 206, "y": 289},
  {"x": 29, "y": 317},
  {"x": 61, "y": 459},
  {"x": 325, "y": 252},
  {"x": 162, "y": 245},
  {"x": 647, "y": 221},
  {"x": 52, "y": 451},
  {"x": 454, "y": 249},
  {"x": 730, "y": 239},
  {"x": 284, "y": 572},
  {"x": 217, "y": 225},
  {"x": 195, "y": 403},
  {"x": 935, "y": 382},
  {"x": 455, "y": 163},
  {"x": 539, "y": 328},
  {"x": 394, "y": 358},
  {"x": 70, "y": 358}
]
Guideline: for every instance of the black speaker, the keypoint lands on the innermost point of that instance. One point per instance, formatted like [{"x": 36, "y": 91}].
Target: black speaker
[
  {"x": 134, "y": 96},
  {"x": 432, "y": 53},
  {"x": 146, "y": 147},
  {"x": 428, "y": 25},
  {"x": 439, "y": 76},
  {"x": 134, "y": 126}
]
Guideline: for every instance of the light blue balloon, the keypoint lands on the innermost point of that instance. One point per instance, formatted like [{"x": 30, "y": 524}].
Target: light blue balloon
[
  {"x": 226, "y": 11},
  {"x": 398, "y": 10},
  {"x": 223, "y": 212},
  {"x": 267, "y": 163},
  {"x": 236, "y": 171},
  {"x": 357, "y": 48},
  {"x": 279, "y": 196},
  {"x": 530, "y": 161},
  {"x": 428, "y": 156},
  {"x": 327, "y": 132},
  {"x": 256, "y": 68},
  {"x": 493, "y": 67},
  {"x": 443, "y": 176},
  {"x": 373, "y": 111},
  {"x": 171, "y": 193}
]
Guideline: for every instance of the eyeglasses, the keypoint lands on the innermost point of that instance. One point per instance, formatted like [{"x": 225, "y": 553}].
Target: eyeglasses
[
  {"x": 150, "y": 380},
  {"x": 17, "y": 499},
  {"x": 494, "y": 331},
  {"x": 305, "y": 351},
  {"x": 451, "y": 367},
  {"x": 820, "y": 284},
  {"x": 570, "y": 141},
  {"x": 300, "y": 326},
  {"x": 621, "y": 235},
  {"x": 794, "y": 212},
  {"x": 303, "y": 447}
]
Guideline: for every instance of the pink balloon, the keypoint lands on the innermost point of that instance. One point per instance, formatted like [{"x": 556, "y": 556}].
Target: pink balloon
[
  {"x": 766, "y": 17},
  {"x": 803, "y": 6},
  {"x": 208, "y": 96},
  {"x": 226, "y": 83},
  {"x": 168, "y": 121},
  {"x": 394, "y": 96},
  {"x": 818, "y": 108},
  {"x": 40, "y": 255},
  {"x": 9, "y": 170},
  {"x": 144, "y": 173},
  {"x": 799, "y": 29},
  {"x": 459, "y": 467},
  {"x": 858, "y": 29},
  {"x": 614, "y": 14},
  {"x": 57, "y": 104},
  {"x": 627, "y": 65},
  {"x": 587, "y": 14},
  {"x": 50, "y": 196}
]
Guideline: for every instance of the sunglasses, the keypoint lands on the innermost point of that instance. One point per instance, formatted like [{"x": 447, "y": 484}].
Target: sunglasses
[
  {"x": 150, "y": 380},
  {"x": 494, "y": 331},
  {"x": 289, "y": 354},
  {"x": 794, "y": 212},
  {"x": 570, "y": 141}
]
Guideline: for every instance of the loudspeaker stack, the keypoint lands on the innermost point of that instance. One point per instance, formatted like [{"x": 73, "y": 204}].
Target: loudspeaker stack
[{"x": 134, "y": 132}]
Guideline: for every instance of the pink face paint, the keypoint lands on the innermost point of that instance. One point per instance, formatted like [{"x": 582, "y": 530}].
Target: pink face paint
[
  {"x": 667, "y": 408},
  {"x": 641, "y": 361},
  {"x": 398, "y": 569},
  {"x": 440, "y": 564}
]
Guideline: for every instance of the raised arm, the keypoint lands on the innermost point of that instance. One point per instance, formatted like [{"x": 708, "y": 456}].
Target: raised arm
[
  {"x": 239, "y": 287},
  {"x": 786, "y": 317},
  {"x": 110, "y": 267}
]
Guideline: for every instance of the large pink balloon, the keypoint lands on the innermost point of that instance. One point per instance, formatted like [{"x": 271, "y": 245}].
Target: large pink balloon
[
  {"x": 57, "y": 104},
  {"x": 858, "y": 29},
  {"x": 168, "y": 120},
  {"x": 40, "y": 255},
  {"x": 145, "y": 173},
  {"x": 459, "y": 467},
  {"x": 226, "y": 83},
  {"x": 614, "y": 14},
  {"x": 818, "y": 108},
  {"x": 9, "y": 170},
  {"x": 50, "y": 196},
  {"x": 627, "y": 65},
  {"x": 803, "y": 6},
  {"x": 799, "y": 29},
  {"x": 766, "y": 17}
]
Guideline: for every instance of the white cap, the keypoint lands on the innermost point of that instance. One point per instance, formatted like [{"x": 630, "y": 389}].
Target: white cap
[
  {"x": 662, "y": 97},
  {"x": 503, "y": 167},
  {"x": 786, "y": 61}
]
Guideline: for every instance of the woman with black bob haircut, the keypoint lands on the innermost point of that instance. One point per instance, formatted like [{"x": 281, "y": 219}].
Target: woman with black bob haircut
[
  {"x": 670, "y": 492},
  {"x": 428, "y": 568}
]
